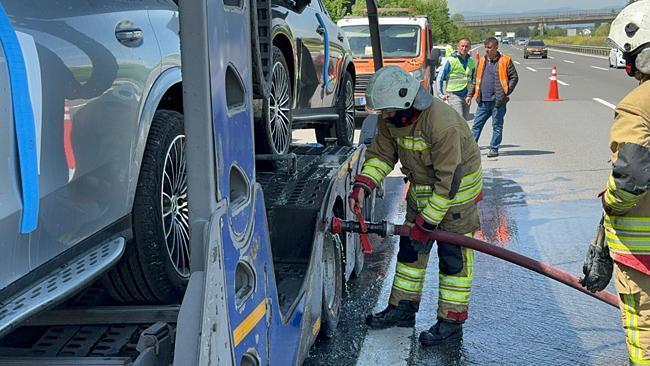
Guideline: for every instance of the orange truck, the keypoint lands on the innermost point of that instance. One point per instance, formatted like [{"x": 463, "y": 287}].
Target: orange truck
[{"x": 405, "y": 42}]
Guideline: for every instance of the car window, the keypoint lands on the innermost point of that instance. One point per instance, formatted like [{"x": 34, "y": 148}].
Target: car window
[
  {"x": 397, "y": 41},
  {"x": 536, "y": 43},
  {"x": 322, "y": 7},
  {"x": 314, "y": 5}
]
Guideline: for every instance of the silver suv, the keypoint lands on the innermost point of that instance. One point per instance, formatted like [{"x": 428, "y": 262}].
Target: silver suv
[{"x": 105, "y": 90}]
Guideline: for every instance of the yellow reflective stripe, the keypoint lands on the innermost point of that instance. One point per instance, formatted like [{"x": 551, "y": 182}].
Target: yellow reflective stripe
[
  {"x": 405, "y": 285},
  {"x": 620, "y": 223},
  {"x": 421, "y": 188},
  {"x": 410, "y": 271},
  {"x": 469, "y": 253},
  {"x": 456, "y": 297},
  {"x": 381, "y": 165},
  {"x": 436, "y": 209},
  {"x": 619, "y": 198},
  {"x": 468, "y": 195},
  {"x": 376, "y": 169},
  {"x": 632, "y": 326},
  {"x": 471, "y": 178},
  {"x": 412, "y": 143},
  {"x": 461, "y": 282},
  {"x": 625, "y": 195}
]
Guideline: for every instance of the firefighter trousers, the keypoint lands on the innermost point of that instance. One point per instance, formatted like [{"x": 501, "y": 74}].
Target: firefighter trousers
[
  {"x": 633, "y": 289},
  {"x": 455, "y": 277}
]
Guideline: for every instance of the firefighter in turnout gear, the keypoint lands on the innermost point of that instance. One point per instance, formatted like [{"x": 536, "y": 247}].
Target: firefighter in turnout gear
[
  {"x": 442, "y": 164},
  {"x": 626, "y": 201}
]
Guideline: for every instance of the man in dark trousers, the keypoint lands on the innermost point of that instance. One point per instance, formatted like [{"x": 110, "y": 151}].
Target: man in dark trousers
[{"x": 496, "y": 78}]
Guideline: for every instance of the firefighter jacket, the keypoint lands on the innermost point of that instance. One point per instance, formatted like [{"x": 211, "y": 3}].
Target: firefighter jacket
[
  {"x": 440, "y": 160},
  {"x": 505, "y": 78},
  {"x": 627, "y": 204}
]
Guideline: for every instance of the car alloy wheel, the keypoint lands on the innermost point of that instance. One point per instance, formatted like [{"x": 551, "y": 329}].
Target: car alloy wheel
[
  {"x": 349, "y": 110},
  {"x": 279, "y": 109},
  {"x": 175, "y": 213}
]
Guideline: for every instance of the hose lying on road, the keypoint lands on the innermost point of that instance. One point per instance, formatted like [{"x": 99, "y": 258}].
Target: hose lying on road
[{"x": 385, "y": 229}]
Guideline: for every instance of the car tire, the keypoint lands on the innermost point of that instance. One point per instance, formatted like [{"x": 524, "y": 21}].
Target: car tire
[
  {"x": 343, "y": 128},
  {"x": 155, "y": 267},
  {"x": 333, "y": 277},
  {"x": 273, "y": 130}
]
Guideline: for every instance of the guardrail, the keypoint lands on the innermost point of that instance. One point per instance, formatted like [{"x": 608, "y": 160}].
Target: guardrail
[
  {"x": 550, "y": 15},
  {"x": 592, "y": 50}
]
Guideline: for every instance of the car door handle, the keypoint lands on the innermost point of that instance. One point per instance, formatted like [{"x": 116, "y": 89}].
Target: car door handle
[
  {"x": 129, "y": 35},
  {"x": 340, "y": 37},
  {"x": 320, "y": 30}
]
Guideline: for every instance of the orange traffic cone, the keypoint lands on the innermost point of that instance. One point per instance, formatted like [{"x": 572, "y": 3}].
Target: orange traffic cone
[{"x": 553, "y": 91}]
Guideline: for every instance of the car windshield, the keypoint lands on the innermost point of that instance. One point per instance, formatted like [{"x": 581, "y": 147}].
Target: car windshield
[
  {"x": 396, "y": 40},
  {"x": 536, "y": 43}
]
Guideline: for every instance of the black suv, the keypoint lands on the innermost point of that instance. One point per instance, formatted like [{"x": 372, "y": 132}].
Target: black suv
[{"x": 311, "y": 79}]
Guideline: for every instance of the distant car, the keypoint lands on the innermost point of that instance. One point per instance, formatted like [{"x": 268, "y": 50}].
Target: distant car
[
  {"x": 521, "y": 42},
  {"x": 535, "y": 48},
  {"x": 616, "y": 58}
]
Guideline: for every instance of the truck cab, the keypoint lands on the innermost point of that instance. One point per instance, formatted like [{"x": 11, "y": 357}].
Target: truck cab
[{"x": 406, "y": 42}]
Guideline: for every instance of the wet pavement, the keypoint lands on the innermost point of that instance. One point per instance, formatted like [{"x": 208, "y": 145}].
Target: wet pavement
[
  {"x": 517, "y": 317},
  {"x": 540, "y": 202}
]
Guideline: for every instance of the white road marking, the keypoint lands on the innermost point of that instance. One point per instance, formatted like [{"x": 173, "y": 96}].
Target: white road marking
[
  {"x": 605, "y": 103},
  {"x": 531, "y": 69},
  {"x": 517, "y": 62},
  {"x": 551, "y": 57},
  {"x": 562, "y": 82},
  {"x": 600, "y": 68},
  {"x": 569, "y": 61},
  {"x": 386, "y": 346}
]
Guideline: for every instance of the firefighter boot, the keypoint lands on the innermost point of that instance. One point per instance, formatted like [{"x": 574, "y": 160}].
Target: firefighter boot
[
  {"x": 443, "y": 331},
  {"x": 402, "y": 315}
]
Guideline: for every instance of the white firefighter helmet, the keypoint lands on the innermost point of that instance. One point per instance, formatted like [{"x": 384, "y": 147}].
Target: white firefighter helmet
[
  {"x": 630, "y": 32},
  {"x": 391, "y": 87}
]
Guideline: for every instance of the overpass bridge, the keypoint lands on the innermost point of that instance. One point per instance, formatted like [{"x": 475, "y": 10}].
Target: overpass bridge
[{"x": 541, "y": 20}]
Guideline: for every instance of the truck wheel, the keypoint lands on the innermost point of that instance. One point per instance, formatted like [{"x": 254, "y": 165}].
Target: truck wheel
[
  {"x": 156, "y": 266},
  {"x": 369, "y": 215},
  {"x": 273, "y": 130},
  {"x": 332, "y": 285},
  {"x": 343, "y": 128}
]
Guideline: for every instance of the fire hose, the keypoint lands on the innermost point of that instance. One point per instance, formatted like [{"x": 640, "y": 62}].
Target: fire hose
[{"x": 385, "y": 229}]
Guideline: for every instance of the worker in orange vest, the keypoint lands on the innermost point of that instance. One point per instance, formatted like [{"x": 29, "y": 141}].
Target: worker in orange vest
[{"x": 496, "y": 78}]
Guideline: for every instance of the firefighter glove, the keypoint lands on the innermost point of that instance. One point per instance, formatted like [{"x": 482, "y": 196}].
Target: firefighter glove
[
  {"x": 362, "y": 186},
  {"x": 420, "y": 234},
  {"x": 598, "y": 265}
]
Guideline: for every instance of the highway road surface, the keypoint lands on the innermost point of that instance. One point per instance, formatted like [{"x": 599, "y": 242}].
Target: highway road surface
[{"x": 540, "y": 200}]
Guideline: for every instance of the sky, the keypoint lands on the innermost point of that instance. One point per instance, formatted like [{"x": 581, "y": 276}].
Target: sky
[{"x": 514, "y": 6}]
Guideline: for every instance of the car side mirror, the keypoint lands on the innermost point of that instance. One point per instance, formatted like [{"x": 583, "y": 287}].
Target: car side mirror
[
  {"x": 300, "y": 5},
  {"x": 434, "y": 59}
]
